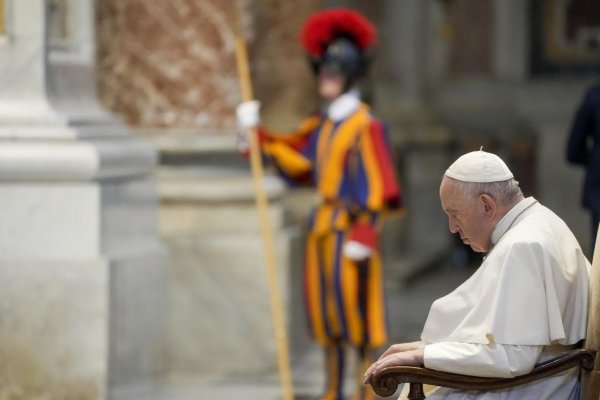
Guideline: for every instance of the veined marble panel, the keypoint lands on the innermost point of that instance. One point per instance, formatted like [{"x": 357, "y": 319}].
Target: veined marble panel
[
  {"x": 168, "y": 63},
  {"x": 172, "y": 63}
]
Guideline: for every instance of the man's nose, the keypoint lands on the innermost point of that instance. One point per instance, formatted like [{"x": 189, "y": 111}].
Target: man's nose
[{"x": 452, "y": 226}]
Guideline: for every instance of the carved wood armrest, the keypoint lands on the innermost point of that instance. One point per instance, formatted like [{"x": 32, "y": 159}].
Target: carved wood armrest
[{"x": 386, "y": 382}]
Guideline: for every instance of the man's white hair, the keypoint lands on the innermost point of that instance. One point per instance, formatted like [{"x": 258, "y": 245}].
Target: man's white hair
[{"x": 504, "y": 192}]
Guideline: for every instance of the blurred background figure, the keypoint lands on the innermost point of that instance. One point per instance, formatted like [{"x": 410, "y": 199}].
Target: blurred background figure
[{"x": 583, "y": 148}]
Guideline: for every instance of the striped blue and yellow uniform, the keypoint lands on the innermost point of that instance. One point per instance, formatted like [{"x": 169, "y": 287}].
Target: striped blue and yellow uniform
[{"x": 349, "y": 163}]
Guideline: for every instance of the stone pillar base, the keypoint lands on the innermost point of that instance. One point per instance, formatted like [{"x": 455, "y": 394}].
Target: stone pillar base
[{"x": 82, "y": 279}]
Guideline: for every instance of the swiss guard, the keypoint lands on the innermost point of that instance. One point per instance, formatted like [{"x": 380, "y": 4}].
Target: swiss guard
[{"x": 343, "y": 151}]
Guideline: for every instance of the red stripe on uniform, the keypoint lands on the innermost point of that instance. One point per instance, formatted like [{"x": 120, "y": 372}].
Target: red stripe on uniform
[{"x": 391, "y": 189}]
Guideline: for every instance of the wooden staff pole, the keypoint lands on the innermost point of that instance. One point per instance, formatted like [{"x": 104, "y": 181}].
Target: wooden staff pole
[{"x": 265, "y": 227}]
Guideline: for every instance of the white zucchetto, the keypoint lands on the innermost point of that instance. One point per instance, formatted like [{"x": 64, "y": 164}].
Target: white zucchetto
[{"x": 479, "y": 166}]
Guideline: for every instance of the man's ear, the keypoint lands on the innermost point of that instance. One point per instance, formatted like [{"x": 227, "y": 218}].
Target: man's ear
[{"x": 489, "y": 206}]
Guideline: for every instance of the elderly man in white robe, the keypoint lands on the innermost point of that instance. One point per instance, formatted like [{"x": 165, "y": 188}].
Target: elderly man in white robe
[{"x": 526, "y": 303}]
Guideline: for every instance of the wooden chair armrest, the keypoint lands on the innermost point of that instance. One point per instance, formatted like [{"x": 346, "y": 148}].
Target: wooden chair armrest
[{"x": 387, "y": 381}]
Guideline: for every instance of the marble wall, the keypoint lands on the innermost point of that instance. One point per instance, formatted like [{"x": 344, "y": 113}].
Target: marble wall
[
  {"x": 168, "y": 63},
  {"x": 171, "y": 64}
]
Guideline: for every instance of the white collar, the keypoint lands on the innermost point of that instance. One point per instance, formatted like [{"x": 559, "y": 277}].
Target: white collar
[
  {"x": 343, "y": 106},
  {"x": 509, "y": 218}
]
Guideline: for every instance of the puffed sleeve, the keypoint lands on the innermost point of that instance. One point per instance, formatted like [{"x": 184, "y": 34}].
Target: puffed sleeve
[{"x": 290, "y": 153}]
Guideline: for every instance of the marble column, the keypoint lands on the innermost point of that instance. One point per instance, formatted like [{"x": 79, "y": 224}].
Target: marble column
[
  {"x": 81, "y": 267},
  {"x": 403, "y": 34},
  {"x": 510, "y": 57}
]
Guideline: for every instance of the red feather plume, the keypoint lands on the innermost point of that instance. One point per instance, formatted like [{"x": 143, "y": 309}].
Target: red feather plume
[{"x": 323, "y": 27}]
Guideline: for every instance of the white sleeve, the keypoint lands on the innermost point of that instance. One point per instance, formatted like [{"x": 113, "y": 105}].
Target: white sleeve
[{"x": 494, "y": 360}]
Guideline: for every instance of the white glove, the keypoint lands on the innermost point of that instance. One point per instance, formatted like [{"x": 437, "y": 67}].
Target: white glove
[
  {"x": 356, "y": 251},
  {"x": 248, "y": 116}
]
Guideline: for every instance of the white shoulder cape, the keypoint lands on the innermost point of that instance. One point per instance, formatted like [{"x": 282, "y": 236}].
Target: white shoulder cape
[{"x": 532, "y": 289}]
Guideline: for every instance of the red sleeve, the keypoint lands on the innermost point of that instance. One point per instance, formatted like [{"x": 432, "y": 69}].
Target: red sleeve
[
  {"x": 296, "y": 140},
  {"x": 391, "y": 189}
]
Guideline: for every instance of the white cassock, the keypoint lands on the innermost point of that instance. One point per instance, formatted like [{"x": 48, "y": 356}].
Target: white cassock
[{"x": 526, "y": 303}]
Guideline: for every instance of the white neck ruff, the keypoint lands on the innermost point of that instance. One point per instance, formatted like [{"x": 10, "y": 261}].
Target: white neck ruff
[{"x": 345, "y": 105}]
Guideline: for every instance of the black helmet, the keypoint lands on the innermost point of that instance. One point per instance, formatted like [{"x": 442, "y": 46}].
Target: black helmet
[
  {"x": 338, "y": 39},
  {"x": 342, "y": 56}
]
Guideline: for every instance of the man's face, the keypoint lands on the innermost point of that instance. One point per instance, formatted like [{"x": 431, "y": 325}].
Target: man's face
[
  {"x": 467, "y": 217},
  {"x": 331, "y": 84}
]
